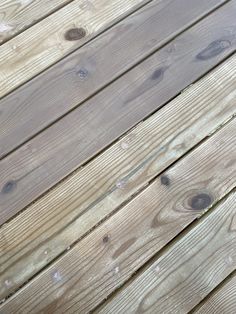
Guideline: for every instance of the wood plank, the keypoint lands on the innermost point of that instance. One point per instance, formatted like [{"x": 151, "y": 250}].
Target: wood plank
[
  {"x": 71, "y": 209},
  {"x": 42, "y": 162},
  {"x": 108, "y": 256},
  {"x": 48, "y": 41},
  {"x": 17, "y": 15},
  {"x": 188, "y": 271},
  {"x": 223, "y": 300},
  {"x": 52, "y": 94}
]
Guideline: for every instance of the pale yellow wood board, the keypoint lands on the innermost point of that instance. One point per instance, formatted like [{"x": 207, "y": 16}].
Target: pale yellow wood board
[
  {"x": 43, "y": 44},
  {"x": 221, "y": 301},
  {"x": 70, "y": 210},
  {"x": 113, "y": 252},
  {"x": 187, "y": 272},
  {"x": 17, "y": 15}
]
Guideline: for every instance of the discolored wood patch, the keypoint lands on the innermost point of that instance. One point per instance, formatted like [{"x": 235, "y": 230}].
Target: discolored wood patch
[{"x": 75, "y": 34}]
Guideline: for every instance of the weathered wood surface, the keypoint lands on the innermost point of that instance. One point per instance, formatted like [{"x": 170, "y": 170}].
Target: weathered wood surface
[
  {"x": 108, "y": 256},
  {"x": 221, "y": 301},
  {"x": 48, "y": 41},
  {"x": 59, "y": 150},
  {"x": 50, "y": 95},
  {"x": 17, "y": 15},
  {"x": 62, "y": 216},
  {"x": 188, "y": 271}
]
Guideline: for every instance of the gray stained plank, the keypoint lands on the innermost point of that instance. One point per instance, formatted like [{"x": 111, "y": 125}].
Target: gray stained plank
[
  {"x": 113, "y": 252},
  {"x": 221, "y": 301},
  {"x": 42, "y": 162},
  {"x": 187, "y": 272},
  {"x": 49, "y": 226},
  {"x": 17, "y": 15},
  {"x": 44, "y": 99}
]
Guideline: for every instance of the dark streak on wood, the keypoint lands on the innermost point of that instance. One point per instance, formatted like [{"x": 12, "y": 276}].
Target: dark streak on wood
[
  {"x": 9, "y": 187},
  {"x": 75, "y": 34},
  {"x": 165, "y": 180},
  {"x": 214, "y": 49},
  {"x": 200, "y": 201}
]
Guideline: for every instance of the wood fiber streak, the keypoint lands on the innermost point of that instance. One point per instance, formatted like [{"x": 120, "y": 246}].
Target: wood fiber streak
[
  {"x": 109, "y": 255},
  {"x": 43, "y": 44},
  {"x": 37, "y": 104},
  {"x": 187, "y": 272},
  {"x": 223, "y": 300},
  {"x": 66, "y": 213},
  {"x": 17, "y": 15},
  {"x": 48, "y": 158}
]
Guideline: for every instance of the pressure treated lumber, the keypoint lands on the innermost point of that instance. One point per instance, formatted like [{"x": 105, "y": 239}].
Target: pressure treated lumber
[
  {"x": 180, "y": 278},
  {"x": 17, "y": 15},
  {"x": 223, "y": 300},
  {"x": 39, "y": 164},
  {"x": 40, "y": 102},
  {"x": 110, "y": 254},
  {"x": 66, "y": 213},
  {"x": 48, "y": 41}
]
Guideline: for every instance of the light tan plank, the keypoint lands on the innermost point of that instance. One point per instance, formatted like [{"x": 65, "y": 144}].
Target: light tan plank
[
  {"x": 54, "y": 37},
  {"x": 62, "y": 87},
  {"x": 222, "y": 301},
  {"x": 101, "y": 262},
  {"x": 17, "y": 15},
  {"x": 66, "y": 213},
  {"x": 190, "y": 269},
  {"x": 62, "y": 148}
]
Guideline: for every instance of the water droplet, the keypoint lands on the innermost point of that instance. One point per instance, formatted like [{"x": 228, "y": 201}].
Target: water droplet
[
  {"x": 56, "y": 276},
  {"x": 124, "y": 145},
  {"x": 7, "y": 282},
  {"x": 116, "y": 270},
  {"x": 120, "y": 184}
]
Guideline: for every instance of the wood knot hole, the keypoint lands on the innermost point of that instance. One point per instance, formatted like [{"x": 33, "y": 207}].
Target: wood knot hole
[
  {"x": 200, "y": 201},
  {"x": 75, "y": 34},
  {"x": 165, "y": 180},
  {"x": 105, "y": 239},
  {"x": 9, "y": 187}
]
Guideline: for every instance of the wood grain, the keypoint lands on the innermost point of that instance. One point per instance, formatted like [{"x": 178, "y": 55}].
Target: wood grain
[
  {"x": 188, "y": 271},
  {"x": 62, "y": 148},
  {"x": 108, "y": 256},
  {"x": 52, "y": 94},
  {"x": 223, "y": 300},
  {"x": 17, "y": 15},
  {"x": 66, "y": 213},
  {"x": 48, "y": 41}
]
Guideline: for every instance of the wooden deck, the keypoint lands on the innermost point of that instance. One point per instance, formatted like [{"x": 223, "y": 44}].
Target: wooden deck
[{"x": 118, "y": 156}]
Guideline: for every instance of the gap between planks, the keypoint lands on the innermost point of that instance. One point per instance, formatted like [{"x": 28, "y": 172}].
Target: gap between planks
[
  {"x": 18, "y": 15},
  {"x": 61, "y": 217},
  {"x": 187, "y": 272},
  {"x": 108, "y": 256},
  {"x": 221, "y": 300},
  {"x": 51, "y": 95},
  {"x": 51, "y": 156},
  {"x": 48, "y": 41}
]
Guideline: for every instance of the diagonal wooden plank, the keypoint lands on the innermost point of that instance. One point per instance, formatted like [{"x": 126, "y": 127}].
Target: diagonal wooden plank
[
  {"x": 223, "y": 300},
  {"x": 59, "y": 150},
  {"x": 48, "y": 41},
  {"x": 17, "y": 15},
  {"x": 83, "y": 200},
  {"x": 71, "y": 209},
  {"x": 52, "y": 94},
  {"x": 189, "y": 270},
  {"x": 108, "y": 256}
]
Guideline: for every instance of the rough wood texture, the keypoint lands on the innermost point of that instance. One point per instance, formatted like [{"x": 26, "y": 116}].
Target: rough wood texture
[
  {"x": 65, "y": 214},
  {"x": 188, "y": 271},
  {"x": 49, "y": 157},
  {"x": 222, "y": 301},
  {"x": 48, "y": 41},
  {"x": 17, "y": 15},
  {"x": 102, "y": 261},
  {"x": 50, "y": 95}
]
